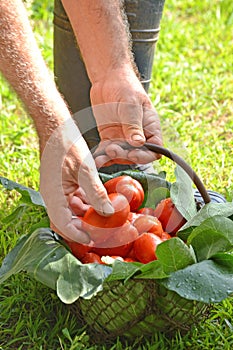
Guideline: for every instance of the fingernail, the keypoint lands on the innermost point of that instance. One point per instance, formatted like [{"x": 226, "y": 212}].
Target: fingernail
[
  {"x": 108, "y": 209},
  {"x": 138, "y": 137},
  {"x": 84, "y": 240},
  {"x": 112, "y": 154}
]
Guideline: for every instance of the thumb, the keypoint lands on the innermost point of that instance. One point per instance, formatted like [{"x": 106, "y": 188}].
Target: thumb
[
  {"x": 89, "y": 181},
  {"x": 131, "y": 116}
]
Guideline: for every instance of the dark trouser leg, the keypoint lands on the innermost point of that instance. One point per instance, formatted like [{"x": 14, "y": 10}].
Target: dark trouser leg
[
  {"x": 71, "y": 77},
  {"x": 144, "y": 18}
]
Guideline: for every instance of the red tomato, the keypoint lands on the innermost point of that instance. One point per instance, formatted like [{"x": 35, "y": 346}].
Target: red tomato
[
  {"x": 169, "y": 216},
  {"x": 129, "y": 187},
  {"x": 131, "y": 254},
  {"x": 148, "y": 223},
  {"x": 119, "y": 251},
  {"x": 146, "y": 211},
  {"x": 129, "y": 260},
  {"x": 78, "y": 249},
  {"x": 116, "y": 161},
  {"x": 91, "y": 258},
  {"x": 101, "y": 227},
  {"x": 127, "y": 233},
  {"x": 119, "y": 243},
  {"x": 145, "y": 247}
]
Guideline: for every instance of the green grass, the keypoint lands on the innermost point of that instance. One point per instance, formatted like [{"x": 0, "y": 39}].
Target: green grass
[
  {"x": 193, "y": 81},
  {"x": 192, "y": 89}
]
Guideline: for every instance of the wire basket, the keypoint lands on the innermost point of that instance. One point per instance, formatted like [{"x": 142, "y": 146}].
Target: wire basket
[{"x": 138, "y": 307}]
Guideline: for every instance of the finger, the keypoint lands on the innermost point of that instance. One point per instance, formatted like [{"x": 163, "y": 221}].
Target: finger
[
  {"x": 140, "y": 156},
  {"x": 131, "y": 116},
  {"x": 118, "y": 154},
  {"x": 96, "y": 193},
  {"x": 113, "y": 153},
  {"x": 152, "y": 131},
  {"x": 81, "y": 194},
  {"x": 77, "y": 206},
  {"x": 71, "y": 231},
  {"x": 103, "y": 161},
  {"x": 151, "y": 126}
]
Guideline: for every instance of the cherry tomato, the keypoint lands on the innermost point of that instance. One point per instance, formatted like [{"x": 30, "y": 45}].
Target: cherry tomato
[
  {"x": 129, "y": 187},
  {"x": 119, "y": 243},
  {"x": 169, "y": 216},
  {"x": 102, "y": 227},
  {"x": 145, "y": 247},
  {"x": 91, "y": 258},
  {"x": 146, "y": 211},
  {"x": 148, "y": 223}
]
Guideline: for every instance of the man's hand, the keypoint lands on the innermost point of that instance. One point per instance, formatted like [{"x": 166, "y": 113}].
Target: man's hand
[
  {"x": 70, "y": 182},
  {"x": 124, "y": 114}
]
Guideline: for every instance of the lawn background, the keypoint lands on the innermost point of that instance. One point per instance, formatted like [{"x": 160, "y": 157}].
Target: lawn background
[{"x": 192, "y": 89}]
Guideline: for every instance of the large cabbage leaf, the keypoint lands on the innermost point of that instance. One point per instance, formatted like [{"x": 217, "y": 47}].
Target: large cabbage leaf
[{"x": 48, "y": 261}]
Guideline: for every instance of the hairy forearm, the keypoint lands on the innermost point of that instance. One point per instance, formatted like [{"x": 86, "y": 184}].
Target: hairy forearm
[
  {"x": 23, "y": 66},
  {"x": 102, "y": 34}
]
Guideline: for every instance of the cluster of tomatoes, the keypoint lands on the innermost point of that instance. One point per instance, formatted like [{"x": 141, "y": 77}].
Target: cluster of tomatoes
[{"x": 130, "y": 234}]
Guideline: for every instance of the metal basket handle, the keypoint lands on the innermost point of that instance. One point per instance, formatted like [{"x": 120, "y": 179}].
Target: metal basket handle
[{"x": 178, "y": 160}]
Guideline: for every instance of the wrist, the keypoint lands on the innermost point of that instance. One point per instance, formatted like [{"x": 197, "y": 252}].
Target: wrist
[
  {"x": 118, "y": 72},
  {"x": 50, "y": 117}
]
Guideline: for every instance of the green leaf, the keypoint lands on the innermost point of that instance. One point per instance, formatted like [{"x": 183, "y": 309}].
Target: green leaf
[
  {"x": 174, "y": 255},
  {"x": 156, "y": 195},
  {"x": 9, "y": 267},
  {"x": 214, "y": 235},
  {"x": 152, "y": 270},
  {"x": 224, "y": 259},
  {"x": 206, "y": 281},
  {"x": 123, "y": 270},
  {"x": 44, "y": 222},
  {"x": 182, "y": 194},
  {"x": 29, "y": 196},
  {"x": 49, "y": 262},
  {"x": 79, "y": 280},
  {"x": 209, "y": 210},
  {"x": 105, "y": 177}
]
